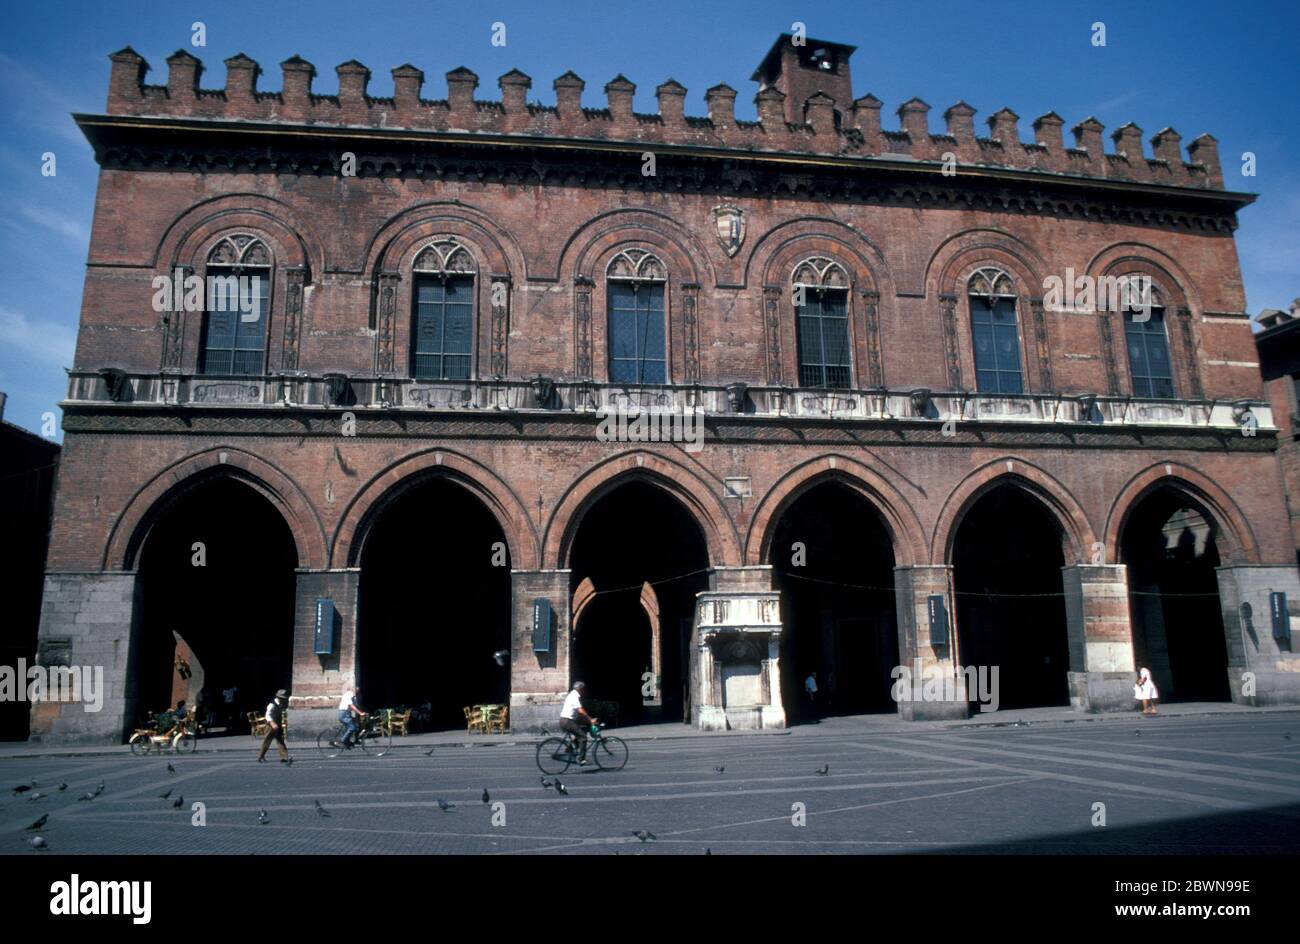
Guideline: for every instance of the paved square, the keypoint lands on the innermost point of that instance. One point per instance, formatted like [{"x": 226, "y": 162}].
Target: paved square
[{"x": 1169, "y": 785}]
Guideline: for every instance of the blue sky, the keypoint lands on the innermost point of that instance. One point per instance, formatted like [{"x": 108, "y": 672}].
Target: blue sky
[{"x": 1229, "y": 69}]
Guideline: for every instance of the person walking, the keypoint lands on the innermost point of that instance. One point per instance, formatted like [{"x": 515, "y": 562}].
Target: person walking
[
  {"x": 275, "y": 728},
  {"x": 1145, "y": 692},
  {"x": 810, "y": 689}
]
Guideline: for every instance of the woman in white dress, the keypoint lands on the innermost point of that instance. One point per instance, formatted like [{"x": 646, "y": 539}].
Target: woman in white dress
[{"x": 1145, "y": 692}]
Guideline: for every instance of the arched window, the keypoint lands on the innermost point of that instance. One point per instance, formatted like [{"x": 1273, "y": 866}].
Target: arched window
[
  {"x": 821, "y": 306},
  {"x": 442, "y": 317},
  {"x": 238, "y": 281},
  {"x": 995, "y": 332},
  {"x": 635, "y": 281},
  {"x": 1145, "y": 337}
]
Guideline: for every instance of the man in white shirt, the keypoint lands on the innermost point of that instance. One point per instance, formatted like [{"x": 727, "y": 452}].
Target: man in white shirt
[
  {"x": 350, "y": 714},
  {"x": 575, "y": 720},
  {"x": 810, "y": 689}
]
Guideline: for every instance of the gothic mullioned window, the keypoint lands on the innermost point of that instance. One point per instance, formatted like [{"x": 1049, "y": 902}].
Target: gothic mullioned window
[
  {"x": 995, "y": 332},
  {"x": 635, "y": 281},
  {"x": 821, "y": 298},
  {"x": 237, "y": 306},
  {"x": 442, "y": 320},
  {"x": 1148, "y": 347}
]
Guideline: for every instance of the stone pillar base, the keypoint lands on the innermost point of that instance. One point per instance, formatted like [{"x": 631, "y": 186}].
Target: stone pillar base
[
  {"x": 305, "y": 722},
  {"x": 933, "y": 710},
  {"x": 532, "y": 711},
  {"x": 1271, "y": 688},
  {"x": 1097, "y": 692},
  {"x": 90, "y": 620}
]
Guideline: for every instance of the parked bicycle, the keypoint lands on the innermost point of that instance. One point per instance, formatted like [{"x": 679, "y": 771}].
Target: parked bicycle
[
  {"x": 181, "y": 738},
  {"x": 372, "y": 737},
  {"x": 557, "y": 754}
]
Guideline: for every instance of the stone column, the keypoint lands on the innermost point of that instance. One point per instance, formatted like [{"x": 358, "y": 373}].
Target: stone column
[
  {"x": 90, "y": 621},
  {"x": 1260, "y": 672},
  {"x": 913, "y": 587},
  {"x": 319, "y": 681},
  {"x": 539, "y": 680},
  {"x": 1100, "y": 637}
]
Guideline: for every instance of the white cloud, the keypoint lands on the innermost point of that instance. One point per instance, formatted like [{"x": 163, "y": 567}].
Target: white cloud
[
  {"x": 46, "y": 342},
  {"x": 58, "y": 223}
]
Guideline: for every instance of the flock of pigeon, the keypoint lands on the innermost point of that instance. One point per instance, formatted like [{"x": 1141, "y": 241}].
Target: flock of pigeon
[{"x": 40, "y": 844}]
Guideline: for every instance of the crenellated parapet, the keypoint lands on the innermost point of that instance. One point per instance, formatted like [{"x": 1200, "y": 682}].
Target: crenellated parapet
[{"x": 823, "y": 122}]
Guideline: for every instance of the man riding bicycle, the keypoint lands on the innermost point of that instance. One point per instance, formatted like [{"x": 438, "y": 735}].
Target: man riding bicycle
[
  {"x": 350, "y": 714},
  {"x": 571, "y": 714}
]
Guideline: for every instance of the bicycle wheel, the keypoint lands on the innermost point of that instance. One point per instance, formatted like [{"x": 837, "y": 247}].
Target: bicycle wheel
[
  {"x": 554, "y": 755},
  {"x": 327, "y": 742},
  {"x": 610, "y": 753},
  {"x": 140, "y": 744},
  {"x": 377, "y": 742},
  {"x": 184, "y": 743}
]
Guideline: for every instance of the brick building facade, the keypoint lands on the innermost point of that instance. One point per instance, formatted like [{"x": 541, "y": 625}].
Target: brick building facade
[{"x": 900, "y": 421}]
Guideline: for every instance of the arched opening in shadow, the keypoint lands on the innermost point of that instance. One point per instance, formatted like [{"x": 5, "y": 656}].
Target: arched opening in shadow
[
  {"x": 635, "y": 534},
  {"x": 833, "y": 560},
  {"x": 217, "y": 583},
  {"x": 1007, "y": 561},
  {"x": 1169, "y": 546},
  {"x": 434, "y": 605}
]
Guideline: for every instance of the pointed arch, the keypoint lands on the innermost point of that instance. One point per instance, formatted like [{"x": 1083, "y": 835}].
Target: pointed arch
[
  {"x": 1232, "y": 530},
  {"x": 1077, "y": 534},
  {"x": 145, "y": 508},
  {"x": 695, "y": 492},
  {"x": 896, "y": 512},
  {"x": 358, "y": 518}
]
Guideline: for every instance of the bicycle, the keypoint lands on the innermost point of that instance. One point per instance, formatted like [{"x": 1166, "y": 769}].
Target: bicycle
[
  {"x": 372, "y": 736},
  {"x": 180, "y": 739},
  {"x": 557, "y": 754}
]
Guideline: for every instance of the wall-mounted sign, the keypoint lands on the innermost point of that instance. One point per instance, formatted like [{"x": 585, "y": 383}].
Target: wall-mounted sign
[
  {"x": 938, "y": 607},
  {"x": 323, "y": 638},
  {"x": 543, "y": 623},
  {"x": 1281, "y": 616}
]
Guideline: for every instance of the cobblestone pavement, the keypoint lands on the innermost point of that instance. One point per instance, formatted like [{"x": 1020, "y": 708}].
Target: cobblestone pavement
[{"x": 1169, "y": 785}]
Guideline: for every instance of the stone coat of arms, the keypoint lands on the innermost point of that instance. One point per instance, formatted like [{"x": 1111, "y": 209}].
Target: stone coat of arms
[{"x": 729, "y": 224}]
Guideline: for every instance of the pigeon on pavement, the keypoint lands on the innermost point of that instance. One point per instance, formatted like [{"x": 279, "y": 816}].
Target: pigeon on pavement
[
  {"x": 321, "y": 811},
  {"x": 62, "y": 787},
  {"x": 444, "y": 805},
  {"x": 718, "y": 770},
  {"x": 644, "y": 835},
  {"x": 21, "y": 788},
  {"x": 38, "y": 843},
  {"x": 262, "y": 818},
  {"x": 171, "y": 769},
  {"x": 823, "y": 770},
  {"x": 178, "y": 802},
  {"x": 40, "y": 822},
  {"x": 163, "y": 796},
  {"x": 560, "y": 788},
  {"x": 486, "y": 798}
]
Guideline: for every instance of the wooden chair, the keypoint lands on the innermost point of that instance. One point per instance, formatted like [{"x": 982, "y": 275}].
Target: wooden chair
[
  {"x": 498, "y": 719},
  {"x": 257, "y": 724},
  {"x": 474, "y": 721},
  {"x": 399, "y": 723}
]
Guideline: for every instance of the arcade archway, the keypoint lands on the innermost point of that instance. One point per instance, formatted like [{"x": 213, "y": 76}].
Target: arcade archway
[
  {"x": 833, "y": 561},
  {"x": 1007, "y": 559},
  {"x": 434, "y": 605},
  {"x": 217, "y": 580},
  {"x": 633, "y": 535},
  {"x": 1169, "y": 545}
]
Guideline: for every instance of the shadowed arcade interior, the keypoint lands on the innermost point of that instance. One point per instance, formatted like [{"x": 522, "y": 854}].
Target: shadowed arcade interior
[
  {"x": 434, "y": 605},
  {"x": 833, "y": 562},
  {"x": 1169, "y": 546},
  {"x": 230, "y": 602},
  {"x": 1007, "y": 561},
  {"x": 635, "y": 534}
]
